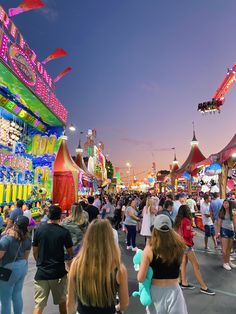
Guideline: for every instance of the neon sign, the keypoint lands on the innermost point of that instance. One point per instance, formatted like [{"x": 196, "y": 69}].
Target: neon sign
[
  {"x": 22, "y": 66},
  {"x": 16, "y": 53}
]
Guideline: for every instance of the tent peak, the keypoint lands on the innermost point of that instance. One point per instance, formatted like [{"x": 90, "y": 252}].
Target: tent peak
[
  {"x": 194, "y": 140},
  {"x": 175, "y": 161}
]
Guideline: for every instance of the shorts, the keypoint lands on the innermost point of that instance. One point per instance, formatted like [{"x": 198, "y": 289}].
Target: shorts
[
  {"x": 42, "y": 288},
  {"x": 209, "y": 231},
  {"x": 226, "y": 233},
  {"x": 167, "y": 299},
  {"x": 189, "y": 249},
  {"x": 76, "y": 249}
]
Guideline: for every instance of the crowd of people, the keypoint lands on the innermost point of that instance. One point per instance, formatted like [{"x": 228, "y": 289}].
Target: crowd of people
[{"x": 78, "y": 258}]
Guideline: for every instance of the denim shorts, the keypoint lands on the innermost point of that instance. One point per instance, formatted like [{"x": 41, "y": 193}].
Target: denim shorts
[
  {"x": 226, "y": 233},
  {"x": 189, "y": 249},
  {"x": 209, "y": 231}
]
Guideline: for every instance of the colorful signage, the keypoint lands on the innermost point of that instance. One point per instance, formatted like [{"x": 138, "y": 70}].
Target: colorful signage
[
  {"x": 43, "y": 145},
  {"x": 15, "y": 162},
  {"x": 16, "y": 53},
  {"x": 17, "y": 91}
]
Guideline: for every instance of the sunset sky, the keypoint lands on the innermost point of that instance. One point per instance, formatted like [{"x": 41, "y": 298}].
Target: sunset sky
[{"x": 140, "y": 67}]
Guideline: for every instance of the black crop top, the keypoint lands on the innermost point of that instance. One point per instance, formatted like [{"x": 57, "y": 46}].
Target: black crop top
[
  {"x": 83, "y": 309},
  {"x": 164, "y": 270}
]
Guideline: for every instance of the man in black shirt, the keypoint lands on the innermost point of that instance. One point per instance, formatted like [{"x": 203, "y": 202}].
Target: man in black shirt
[
  {"x": 48, "y": 249},
  {"x": 92, "y": 211}
]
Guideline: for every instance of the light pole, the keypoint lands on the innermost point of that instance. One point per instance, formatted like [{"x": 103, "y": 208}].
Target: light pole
[
  {"x": 128, "y": 164},
  {"x": 72, "y": 127}
]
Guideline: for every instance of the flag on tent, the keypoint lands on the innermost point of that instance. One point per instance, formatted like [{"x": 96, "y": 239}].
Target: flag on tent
[
  {"x": 58, "y": 53},
  {"x": 64, "y": 72},
  {"x": 25, "y": 6}
]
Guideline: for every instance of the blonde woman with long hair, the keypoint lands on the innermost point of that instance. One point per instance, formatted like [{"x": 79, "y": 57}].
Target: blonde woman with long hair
[
  {"x": 164, "y": 255},
  {"x": 97, "y": 274},
  {"x": 149, "y": 212},
  {"x": 77, "y": 224}
]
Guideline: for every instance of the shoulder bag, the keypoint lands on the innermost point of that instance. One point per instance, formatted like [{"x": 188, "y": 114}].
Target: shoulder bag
[{"x": 5, "y": 273}]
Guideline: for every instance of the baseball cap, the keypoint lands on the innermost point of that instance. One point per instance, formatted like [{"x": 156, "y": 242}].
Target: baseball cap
[
  {"x": 162, "y": 223},
  {"x": 22, "y": 222},
  {"x": 182, "y": 195}
]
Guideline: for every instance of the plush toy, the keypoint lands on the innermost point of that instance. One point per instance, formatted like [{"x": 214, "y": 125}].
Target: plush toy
[{"x": 144, "y": 287}]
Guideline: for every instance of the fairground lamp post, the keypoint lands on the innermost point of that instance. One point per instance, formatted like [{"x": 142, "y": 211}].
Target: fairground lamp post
[
  {"x": 128, "y": 164},
  {"x": 72, "y": 127}
]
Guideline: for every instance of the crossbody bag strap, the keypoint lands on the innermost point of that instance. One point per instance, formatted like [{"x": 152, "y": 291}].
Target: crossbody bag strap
[{"x": 18, "y": 250}]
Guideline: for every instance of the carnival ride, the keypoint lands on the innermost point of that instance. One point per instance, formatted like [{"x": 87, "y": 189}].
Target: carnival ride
[{"x": 219, "y": 96}]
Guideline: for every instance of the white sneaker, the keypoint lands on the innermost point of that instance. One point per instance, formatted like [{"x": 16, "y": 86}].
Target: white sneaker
[
  {"x": 134, "y": 249},
  {"x": 129, "y": 247},
  {"x": 232, "y": 265},
  {"x": 226, "y": 266}
]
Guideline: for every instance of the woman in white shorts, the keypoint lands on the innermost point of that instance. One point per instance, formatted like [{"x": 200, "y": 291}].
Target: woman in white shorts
[{"x": 148, "y": 217}]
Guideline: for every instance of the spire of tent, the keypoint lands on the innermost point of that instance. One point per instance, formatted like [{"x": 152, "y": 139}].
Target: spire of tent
[
  {"x": 79, "y": 149},
  {"x": 193, "y": 158},
  {"x": 175, "y": 163},
  {"x": 194, "y": 140}
]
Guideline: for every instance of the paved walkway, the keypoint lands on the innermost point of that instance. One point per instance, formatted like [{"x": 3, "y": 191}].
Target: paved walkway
[{"x": 223, "y": 282}]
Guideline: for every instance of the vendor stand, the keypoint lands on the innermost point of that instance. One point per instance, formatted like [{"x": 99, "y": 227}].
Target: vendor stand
[{"x": 32, "y": 120}]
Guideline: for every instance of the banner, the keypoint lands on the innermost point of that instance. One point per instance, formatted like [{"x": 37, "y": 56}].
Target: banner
[
  {"x": 58, "y": 53},
  {"x": 64, "y": 72},
  {"x": 25, "y": 6}
]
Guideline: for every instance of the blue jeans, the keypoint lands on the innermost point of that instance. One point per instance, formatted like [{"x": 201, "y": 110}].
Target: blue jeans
[
  {"x": 11, "y": 290},
  {"x": 131, "y": 235}
]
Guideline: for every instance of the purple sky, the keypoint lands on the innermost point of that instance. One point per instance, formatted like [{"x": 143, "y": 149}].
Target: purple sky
[{"x": 140, "y": 67}]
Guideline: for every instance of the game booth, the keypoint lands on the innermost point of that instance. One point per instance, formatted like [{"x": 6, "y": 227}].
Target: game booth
[
  {"x": 69, "y": 179},
  {"x": 89, "y": 181},
  {"x": 32, "y": 120},
  {"x": 218, "y": 173}
]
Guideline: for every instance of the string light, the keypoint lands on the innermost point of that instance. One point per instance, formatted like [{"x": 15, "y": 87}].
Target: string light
[{"x": 3, "y": 48}]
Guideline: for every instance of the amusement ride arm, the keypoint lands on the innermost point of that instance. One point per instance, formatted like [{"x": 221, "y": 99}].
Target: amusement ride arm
[{"x": 219, "y": 96}]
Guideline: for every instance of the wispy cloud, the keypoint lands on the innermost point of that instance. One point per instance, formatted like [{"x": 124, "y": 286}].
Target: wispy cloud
[
  {"x": 151, "y": 86},
  {"x": 136, "y": 142},
  {"x": 49, "y": 11}
]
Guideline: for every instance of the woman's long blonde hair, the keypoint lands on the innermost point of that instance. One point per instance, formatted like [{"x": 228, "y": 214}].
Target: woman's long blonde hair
[
  {"x": 149, "y": 204},
  {"x": 77, "y": 214},
  {"x": 167, "y": 245},
  {"x": 96, "y": 266}
]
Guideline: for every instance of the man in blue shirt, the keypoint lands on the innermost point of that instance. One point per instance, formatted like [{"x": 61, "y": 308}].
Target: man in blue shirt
[
  {"x": 215, "y": 207},
  {"x": 18, "y": 211}
]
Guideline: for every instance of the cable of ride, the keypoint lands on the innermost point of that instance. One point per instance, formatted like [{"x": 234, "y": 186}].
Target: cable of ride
[{"x": 219, "y": 96}]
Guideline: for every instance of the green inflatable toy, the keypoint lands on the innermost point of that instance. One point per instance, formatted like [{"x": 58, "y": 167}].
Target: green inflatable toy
[{"x": 144, "y": 287}]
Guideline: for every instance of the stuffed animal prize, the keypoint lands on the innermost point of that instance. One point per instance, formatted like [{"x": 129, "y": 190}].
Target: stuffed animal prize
[{"x": 144, "y": 287}]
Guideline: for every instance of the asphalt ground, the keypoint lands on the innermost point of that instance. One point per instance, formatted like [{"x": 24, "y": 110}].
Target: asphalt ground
[{"x": 216, "y": 278}]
